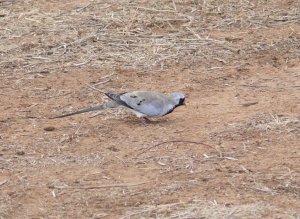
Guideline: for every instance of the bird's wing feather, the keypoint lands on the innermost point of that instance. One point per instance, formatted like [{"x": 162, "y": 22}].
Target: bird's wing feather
[
  {"x": 117, "y": 99},
  {"x": 148, "y": 102}
]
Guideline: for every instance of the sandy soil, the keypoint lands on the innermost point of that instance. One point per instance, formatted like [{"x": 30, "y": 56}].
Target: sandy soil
[{"x": 238, "y": 62}]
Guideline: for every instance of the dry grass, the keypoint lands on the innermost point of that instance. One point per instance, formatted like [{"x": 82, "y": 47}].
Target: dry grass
[
  {"x": 275, "y": 123},
  {"x": 204, "y": 209},
  {"x": 263, "y": 122},
  {"x": 142, "y": 34}
]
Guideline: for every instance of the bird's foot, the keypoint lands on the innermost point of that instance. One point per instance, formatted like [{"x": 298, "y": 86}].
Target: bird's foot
[{"x": 145, "y": 120}]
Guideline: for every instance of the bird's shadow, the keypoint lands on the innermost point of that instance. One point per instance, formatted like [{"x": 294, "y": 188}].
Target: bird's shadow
[{"x": 152, "y": 121}]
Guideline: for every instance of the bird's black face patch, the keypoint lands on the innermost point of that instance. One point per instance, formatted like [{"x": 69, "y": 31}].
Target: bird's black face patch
[
  {"x": 181, "y": 102},
  {"x": 133, "y": 96}
]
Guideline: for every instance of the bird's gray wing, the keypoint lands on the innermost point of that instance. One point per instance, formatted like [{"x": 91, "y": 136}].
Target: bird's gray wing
[
  {"x": 117, "y": 98},
  {"x": 149, "y": 103},
  {"x": 110, "y": 104}
]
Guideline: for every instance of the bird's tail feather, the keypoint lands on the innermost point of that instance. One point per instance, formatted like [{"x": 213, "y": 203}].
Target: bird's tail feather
[{"x": 111, "y": 104}]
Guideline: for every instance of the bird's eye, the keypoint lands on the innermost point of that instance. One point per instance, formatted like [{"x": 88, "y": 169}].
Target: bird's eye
[{"x": 181, "y": 101}]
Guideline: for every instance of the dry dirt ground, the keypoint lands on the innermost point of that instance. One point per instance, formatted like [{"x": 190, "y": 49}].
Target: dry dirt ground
[{"x": 238, "y": 62}]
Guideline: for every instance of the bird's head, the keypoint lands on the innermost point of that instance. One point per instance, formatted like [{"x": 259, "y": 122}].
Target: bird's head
[{"x": 178, "y": 98}]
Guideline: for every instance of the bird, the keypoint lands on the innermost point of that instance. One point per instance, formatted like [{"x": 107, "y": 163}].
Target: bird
[{"x": 143, "y": 104}]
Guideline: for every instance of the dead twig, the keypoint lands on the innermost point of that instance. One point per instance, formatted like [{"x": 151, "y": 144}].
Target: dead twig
[
  {"x": 251, "y": 85},
  {"x": 106, "y": 76},
  {"x": 249, "y": 104},
  {"x": 102, "y": 82},
  {"x": 174, "y": 5},
  {"x": 92, "y": 187},
  {"x": 90, "y": 86},
  {"x": 82, "y": 63},
  {"x": 3, "y": 182},
  {"x": 179, "y": 141},
  {"x": 78, "y": 128},
  {"x": 155, "y": 10}
]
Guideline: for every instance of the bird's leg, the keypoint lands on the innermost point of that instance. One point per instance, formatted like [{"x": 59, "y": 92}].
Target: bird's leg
[{"x": 145, "y": 120}]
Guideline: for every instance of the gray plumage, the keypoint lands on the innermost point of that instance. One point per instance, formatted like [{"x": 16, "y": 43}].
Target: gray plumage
[{"x": 142, "y": 103}]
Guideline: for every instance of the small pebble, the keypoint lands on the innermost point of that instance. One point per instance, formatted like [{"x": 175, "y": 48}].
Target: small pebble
[
  {"x": 49, "y": 128},
  {"x": 20, "y": 153}
]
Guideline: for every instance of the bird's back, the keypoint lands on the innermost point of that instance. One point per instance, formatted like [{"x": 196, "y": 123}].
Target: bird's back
[{"x": 149, "y": 103}]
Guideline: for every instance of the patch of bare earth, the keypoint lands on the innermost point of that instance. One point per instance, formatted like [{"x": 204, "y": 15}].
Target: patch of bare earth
[{"x": 232, "y": 152}]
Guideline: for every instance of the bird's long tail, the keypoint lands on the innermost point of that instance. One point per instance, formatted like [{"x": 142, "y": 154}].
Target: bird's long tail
[{"x": 110, "y": 104}]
